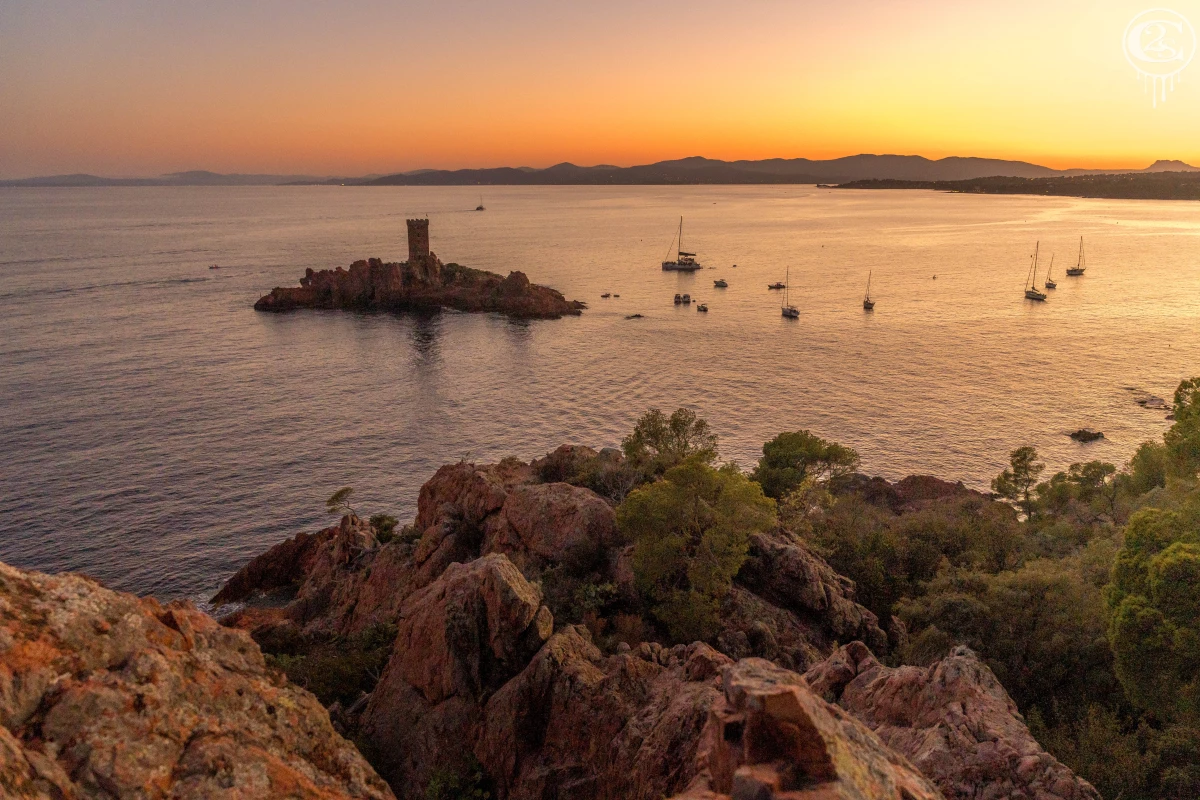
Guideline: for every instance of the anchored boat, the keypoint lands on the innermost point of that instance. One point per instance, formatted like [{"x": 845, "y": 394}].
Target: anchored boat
[
  {"x": 1031, "y": 290},
  {"x": 868, "y": 303},
  {"x": 788, "y": 310},
  {"x": 1080, "y": 264},
  {"x": 684, "y": 262}
]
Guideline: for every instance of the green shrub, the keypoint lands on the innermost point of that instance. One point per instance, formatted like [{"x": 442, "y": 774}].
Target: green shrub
[{"x": 691, "y": 532}]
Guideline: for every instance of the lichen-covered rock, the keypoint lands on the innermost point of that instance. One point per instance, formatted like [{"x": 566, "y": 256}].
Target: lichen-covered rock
[
  {"x": 953, "y": 720},
  {"x": 106, "y": 695},
  {"x": 769, "y": 736}
]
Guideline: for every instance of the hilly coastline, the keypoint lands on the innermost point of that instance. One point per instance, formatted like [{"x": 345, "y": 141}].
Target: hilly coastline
[
  {"x": 695, "y": 170},
  {"x": 1149, "y": 185}
]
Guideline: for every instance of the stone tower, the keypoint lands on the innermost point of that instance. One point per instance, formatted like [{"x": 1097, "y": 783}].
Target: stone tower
[
  {"x": 418, "y": 240},
  {"x": 423, "y": 265}
]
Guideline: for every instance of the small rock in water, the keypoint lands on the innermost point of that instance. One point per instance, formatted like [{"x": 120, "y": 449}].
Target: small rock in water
[
  {"x": 1086, "y": 435},
  {"x": 1152, "y": 402}
]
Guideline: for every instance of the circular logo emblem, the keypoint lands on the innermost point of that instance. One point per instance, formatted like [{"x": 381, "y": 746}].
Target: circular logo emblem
[{"x": 1159, "y": 43}]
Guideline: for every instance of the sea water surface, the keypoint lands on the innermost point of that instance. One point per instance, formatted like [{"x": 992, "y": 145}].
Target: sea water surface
[{"x": 157, "y": 432}]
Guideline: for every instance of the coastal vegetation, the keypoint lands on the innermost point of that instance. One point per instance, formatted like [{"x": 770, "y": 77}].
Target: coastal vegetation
[{"x": 1080, "y": 589}]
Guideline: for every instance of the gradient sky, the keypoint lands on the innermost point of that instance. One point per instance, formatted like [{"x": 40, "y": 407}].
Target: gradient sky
[{"x": 350, "y": 88}]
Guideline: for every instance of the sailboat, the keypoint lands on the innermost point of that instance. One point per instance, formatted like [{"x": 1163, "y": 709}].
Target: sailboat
[
  {"x": 480, "y": 206},
  {"x": 684, "y": 262},
  {"x": 1050, "y": 284},
  {"x": 1081, "y": 264},
  {"x": 788, "y": 310},
  {"x": 1031, "y": 290},
  {"x": 868, "y": 303}
]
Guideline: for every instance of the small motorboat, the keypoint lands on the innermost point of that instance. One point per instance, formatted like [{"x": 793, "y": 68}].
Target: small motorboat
[
  {"x": 777, "y": 285},
  {"x": 678, "y": 299},
  {"x": 721, "y": 283},
  {"x": 735, "y": 266},
  {"x": 214, "y": 266},
  {"x": 606, "y": 295},
  {"x": 687, "y": 299},
  {"x": 702, "y": 307},
  {"x": 616, "y": 295}
]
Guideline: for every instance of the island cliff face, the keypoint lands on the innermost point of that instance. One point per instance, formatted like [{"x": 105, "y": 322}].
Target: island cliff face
[
  {"x": 483, "y": 679},
  {"x": 421, "y": 283}
]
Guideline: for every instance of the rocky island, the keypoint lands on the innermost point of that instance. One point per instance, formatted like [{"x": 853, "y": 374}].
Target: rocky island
[{"x": 423, "y": 283}]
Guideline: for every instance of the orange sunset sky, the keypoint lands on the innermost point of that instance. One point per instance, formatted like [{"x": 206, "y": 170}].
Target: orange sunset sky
[{"x": 143, "y": 88}]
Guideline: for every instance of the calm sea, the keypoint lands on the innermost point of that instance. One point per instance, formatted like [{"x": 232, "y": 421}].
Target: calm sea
[{"x": 157, "y": 432}]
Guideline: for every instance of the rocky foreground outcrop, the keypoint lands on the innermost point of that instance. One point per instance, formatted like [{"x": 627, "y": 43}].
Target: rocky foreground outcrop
[
  {"x": 104, "y": 695},
  {"x": 490, "y": 674},
  {"x": 787, "y": 605},
  {"x": 768, "y": 736},
  {"x": 373, "y": 285},
  {"x": 953, "y": 720}
]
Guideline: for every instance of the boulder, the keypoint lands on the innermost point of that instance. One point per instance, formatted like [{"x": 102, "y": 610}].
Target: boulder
[
  {"x": 768, "y": 736},
  {"x": 953, "y": 720},
  {"x": 458, "y": 640},
  {"x": 785, "y": 572},
  {"x": 106, "y": 695}
]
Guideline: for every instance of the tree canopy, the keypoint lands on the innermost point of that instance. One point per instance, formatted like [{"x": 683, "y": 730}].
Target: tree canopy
[
  {"x": 793, "y": 457},
  {"x": 659, "y": 442}
]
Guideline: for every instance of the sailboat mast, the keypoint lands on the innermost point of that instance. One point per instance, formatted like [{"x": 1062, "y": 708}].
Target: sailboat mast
[
  {"x": 1036, "y": 249},
  {"x": 680, "y": 236},
  {"x": 787, "y": 285}
]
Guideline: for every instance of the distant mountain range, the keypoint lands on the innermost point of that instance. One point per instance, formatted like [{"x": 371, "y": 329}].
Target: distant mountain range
[{"x": 694, "y": 170}]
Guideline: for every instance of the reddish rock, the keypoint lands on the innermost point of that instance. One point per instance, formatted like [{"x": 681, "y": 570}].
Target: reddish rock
[
  {"x": 427, "y": 284},
  {"x": 105, "y": 695},
  {"x": 785, "y": 572},
  {"x": 769, "y": 737},
  {"x": 954, "y": 720},
  {"x": 576, "y": 724},
  {"x": 552, "y": 522}
]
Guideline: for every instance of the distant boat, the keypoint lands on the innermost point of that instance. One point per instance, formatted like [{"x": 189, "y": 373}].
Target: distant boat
[
  {"x": 868, "y": 303},
  {"x": 606, "y": 295},
  {"x": 678, "y": 299},
  {"x": 702, "y": 307},
  {"x": 1050, "y": 284},
  {"x": 1080, "y": 264},
  {"x": 214, "y": 266},
  {"x": 684, "y": 262},
  {"x": 777, "y": 285},
  {"x": 788, "y": 310},
  {"x": 687, "y": 299},
  {"x": 1031, "y": 290},
  {"x": 721, "y": 283},
  {"x": 480, "y": 206}
]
